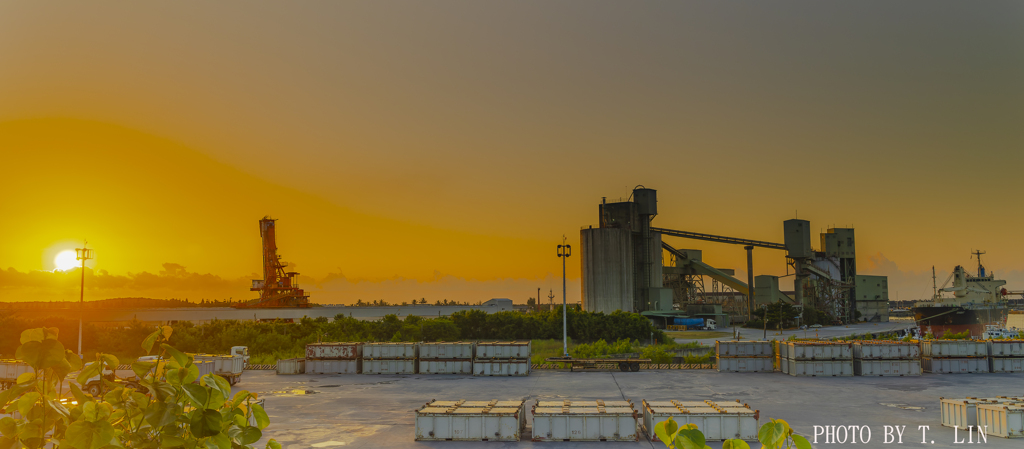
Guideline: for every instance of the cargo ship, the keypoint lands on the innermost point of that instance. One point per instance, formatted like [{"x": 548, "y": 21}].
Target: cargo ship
[{"x": 977, "y": 301}]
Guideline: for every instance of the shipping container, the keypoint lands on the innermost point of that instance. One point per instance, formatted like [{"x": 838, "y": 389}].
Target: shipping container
[
  {"x": 746, "y": 365},
  {"x": 819, "y": 368},
  {"x": 1003, "y": 420},
  {"x": 887, "y": 350},
  {"x": 503, "y": 350},
  {"x": 10, "y": 369},
  {"x": 441, "y": 366},
  {"x": 817, "y": 351},
  {"x": 446, "y": 350},
  {"x": 887, "y": 367},
  {"x": 389, "y": 351},
  {"x": 715, "y": 422},
  {"x": 466, "y": 421},
  {"x": 229, "y": 367},
  {"x": 954, "y": 348},
  {"x": 333, "y": 351},
  {"x": 353, "y": 366},
  {"x": 743, "y": 349},
  {"x": 205, "y": 367},
  {"x": 1006, "y": 365},
  {"x": 1006, "y": 348},
  {"x": 389, "y": 366},
  {"x": 959, "y": 413},
  {"x": 954, "y": 366},
  {"x": 585, "y": 421},
  {"x": 501, "y": 367},
  {"x": 291, "y": 366}
]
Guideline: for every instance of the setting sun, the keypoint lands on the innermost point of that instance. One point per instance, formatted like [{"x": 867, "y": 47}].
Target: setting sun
[{"x": 65, "y": 260}]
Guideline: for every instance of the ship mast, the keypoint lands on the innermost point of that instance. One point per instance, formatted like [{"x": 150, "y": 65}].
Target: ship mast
[
  {"x": 935, "y": 290},
  {"x": 981, "y": 269}
]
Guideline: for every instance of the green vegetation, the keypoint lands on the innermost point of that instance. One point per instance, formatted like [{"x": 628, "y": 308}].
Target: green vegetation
[
  {"x": 697, "y": 335},
  {"x": 601, "y": 349},
  {"x": 270, "y": 341},
  {"x": 169, "y": 407},
  {"x": 965, "y": 335},
  {"x": 775, "y": 434}
]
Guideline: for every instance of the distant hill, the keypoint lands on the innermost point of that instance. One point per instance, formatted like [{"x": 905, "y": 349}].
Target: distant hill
[{"x": 116, "y": 303}]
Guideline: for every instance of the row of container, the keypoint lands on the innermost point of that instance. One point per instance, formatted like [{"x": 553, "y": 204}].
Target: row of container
[
  {"x": 868, "y": 349},
  {"x": 407, "y": 351},
  {"x": 591, "y": 420},
  {"x": 1001, "y": 416}
]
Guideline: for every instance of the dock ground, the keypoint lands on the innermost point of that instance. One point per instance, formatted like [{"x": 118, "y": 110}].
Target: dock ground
[{"x": 374, "y": 411}]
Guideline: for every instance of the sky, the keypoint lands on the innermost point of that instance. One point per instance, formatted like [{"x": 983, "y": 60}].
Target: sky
[{"x": 442, "y": 149}]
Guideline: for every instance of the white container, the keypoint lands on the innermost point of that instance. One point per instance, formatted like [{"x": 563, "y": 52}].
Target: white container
[
  {"x": 223, "y": 364},
  {"x": 496, "y": 421},
  {"x": 1006, "y": 348},
  {"x": 501, "y": 367},
  {"x": 10, "y": 370},
  {"x": 954, "y": 366},
  {"x": 959, "y": 413},
  {"x": 715, "y": 423},
  {"x": 205, "y": 367},
  {"x": 585, "y": 421},
  {"x": 1003, "y": 420},
  {"x": 890, "y": 350},
  {"x": 954, "y": 348},
  {"x": 443, "y": 350},
  {"x": 746, "y": 365},
  {"x": 440, "y": 366},
  {"x": 1006, "y": 365},
  {"x": 743, "y": 349},
  {"x": 333, "y": 351},
  {"x": 503, "y": 350},
  {"x": 389, "y": 366},
  {"x": 887, "y": 367},
  {"x": 291, "y": 366},
  {"x": 817, "y": 351},
  {"x": 333, "y": 366},
  {"x": 819, "y": 368},
  {"x": 389, "y": 351}
]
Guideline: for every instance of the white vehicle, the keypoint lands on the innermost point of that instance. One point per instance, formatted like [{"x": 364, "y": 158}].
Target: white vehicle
[{"x": 242, "y": 351}]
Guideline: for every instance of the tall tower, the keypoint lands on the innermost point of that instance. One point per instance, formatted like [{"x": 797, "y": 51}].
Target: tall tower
[{"x": 278, "y": 288}]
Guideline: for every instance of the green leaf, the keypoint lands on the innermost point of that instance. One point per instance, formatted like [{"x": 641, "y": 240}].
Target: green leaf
[
  {"x": 178, "y": 356},
  {"x": 801, "y": 442},
  {"x": 262, "y": 420},
  {"x": 219, "y": 383},
  {"x": 142, "y": 369},
  {"x": 250, "y": 435},
  {"x": 240, "y": 397},
  {"x": 217, "y": 399},
  {"x": 273, "y": 444},
  {"x": 26, "y": 402},
  {"x": 62, "y": 369},
  {"x": 36, "y": 335},
  {"x": 193, "y": 374},
  {"x": 196, "y": 394},
  {"x": 689, "y": 439},
  {"x": 171, "y": 441},
  {"x": 110, "y": 361},
  {"x": 79, "y": 395},
  {"x": 160, "y": 414},
  {"x": 92, "y": 369},
  {"x": 150, "y": 340},
  {"x": 26, "y": 379},
  {"x": 666, "y": 430},
  {"x": 770, "y": 434},
  {"x": 74, "y": 360},
  {"x": 41, "y": 355},
  {"x": 8, "y": 427},
  {"x": 222, "y": 441},
  {"x": 205, "y": 423},
  {"x": 735, "y": 444},
  {"x": 89, "y": 435}
]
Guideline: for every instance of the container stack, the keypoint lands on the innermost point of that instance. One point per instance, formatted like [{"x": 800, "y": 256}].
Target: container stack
[
  {"x": 446, "y": 358},
  {"x": 291, "y": 366},
  {"x": 333, "y": 358},
  {"x": 502, "y": 358},
  {"x": 10, "y": 369},
  {"x": 886, "y": 358},
  {"x": 389, "y": 358},
  {"x": 954, "y": 356},
  {"x": 816, "y": 359},
  {"x": 716, "y": 420},
  {"x": 1006, "y": 356},
  {"x": 1000, "y": 416},
  {"x": 745, "y": 356},
  {"x": 585, "y": 421},
  {"x": 470, "y": 421}
]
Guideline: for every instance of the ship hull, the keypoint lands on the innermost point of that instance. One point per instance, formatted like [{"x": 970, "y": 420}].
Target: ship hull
[{"x": 939, "y": 320}]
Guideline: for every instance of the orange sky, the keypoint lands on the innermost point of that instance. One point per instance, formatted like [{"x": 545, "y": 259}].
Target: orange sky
[{"x": 448, "y": 146}]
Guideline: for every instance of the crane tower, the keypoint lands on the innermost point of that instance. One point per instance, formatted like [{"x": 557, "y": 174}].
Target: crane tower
[{"x": 278, "y": 288}]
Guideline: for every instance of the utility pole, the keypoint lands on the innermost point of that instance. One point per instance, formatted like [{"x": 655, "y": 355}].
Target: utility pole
[
  {"x": 750, "y": 281},
  {"x": 82, "y": 254},
  {"x": 564, "y": 251},
  {"x": 538, "y": 299}
]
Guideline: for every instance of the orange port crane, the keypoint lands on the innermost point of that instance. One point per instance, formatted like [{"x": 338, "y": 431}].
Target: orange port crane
[{"x": 278, "y": 288}]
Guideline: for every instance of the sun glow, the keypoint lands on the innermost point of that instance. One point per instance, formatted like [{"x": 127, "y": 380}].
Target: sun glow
[{"x": 65, "y": 260}]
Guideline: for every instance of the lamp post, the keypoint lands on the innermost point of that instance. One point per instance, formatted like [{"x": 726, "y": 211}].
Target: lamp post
[
  {"x": 564, "y": 251},
  {"x": 82, "y": 254}
]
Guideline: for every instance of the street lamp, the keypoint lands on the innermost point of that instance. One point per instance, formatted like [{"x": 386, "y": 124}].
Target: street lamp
[
  {"x": 82, "y": 254},
  {"x": 564, "y": 251}
]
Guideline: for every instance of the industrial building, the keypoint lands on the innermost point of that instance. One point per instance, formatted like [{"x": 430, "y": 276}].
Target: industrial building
[{"x": 624, "y": 268}]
